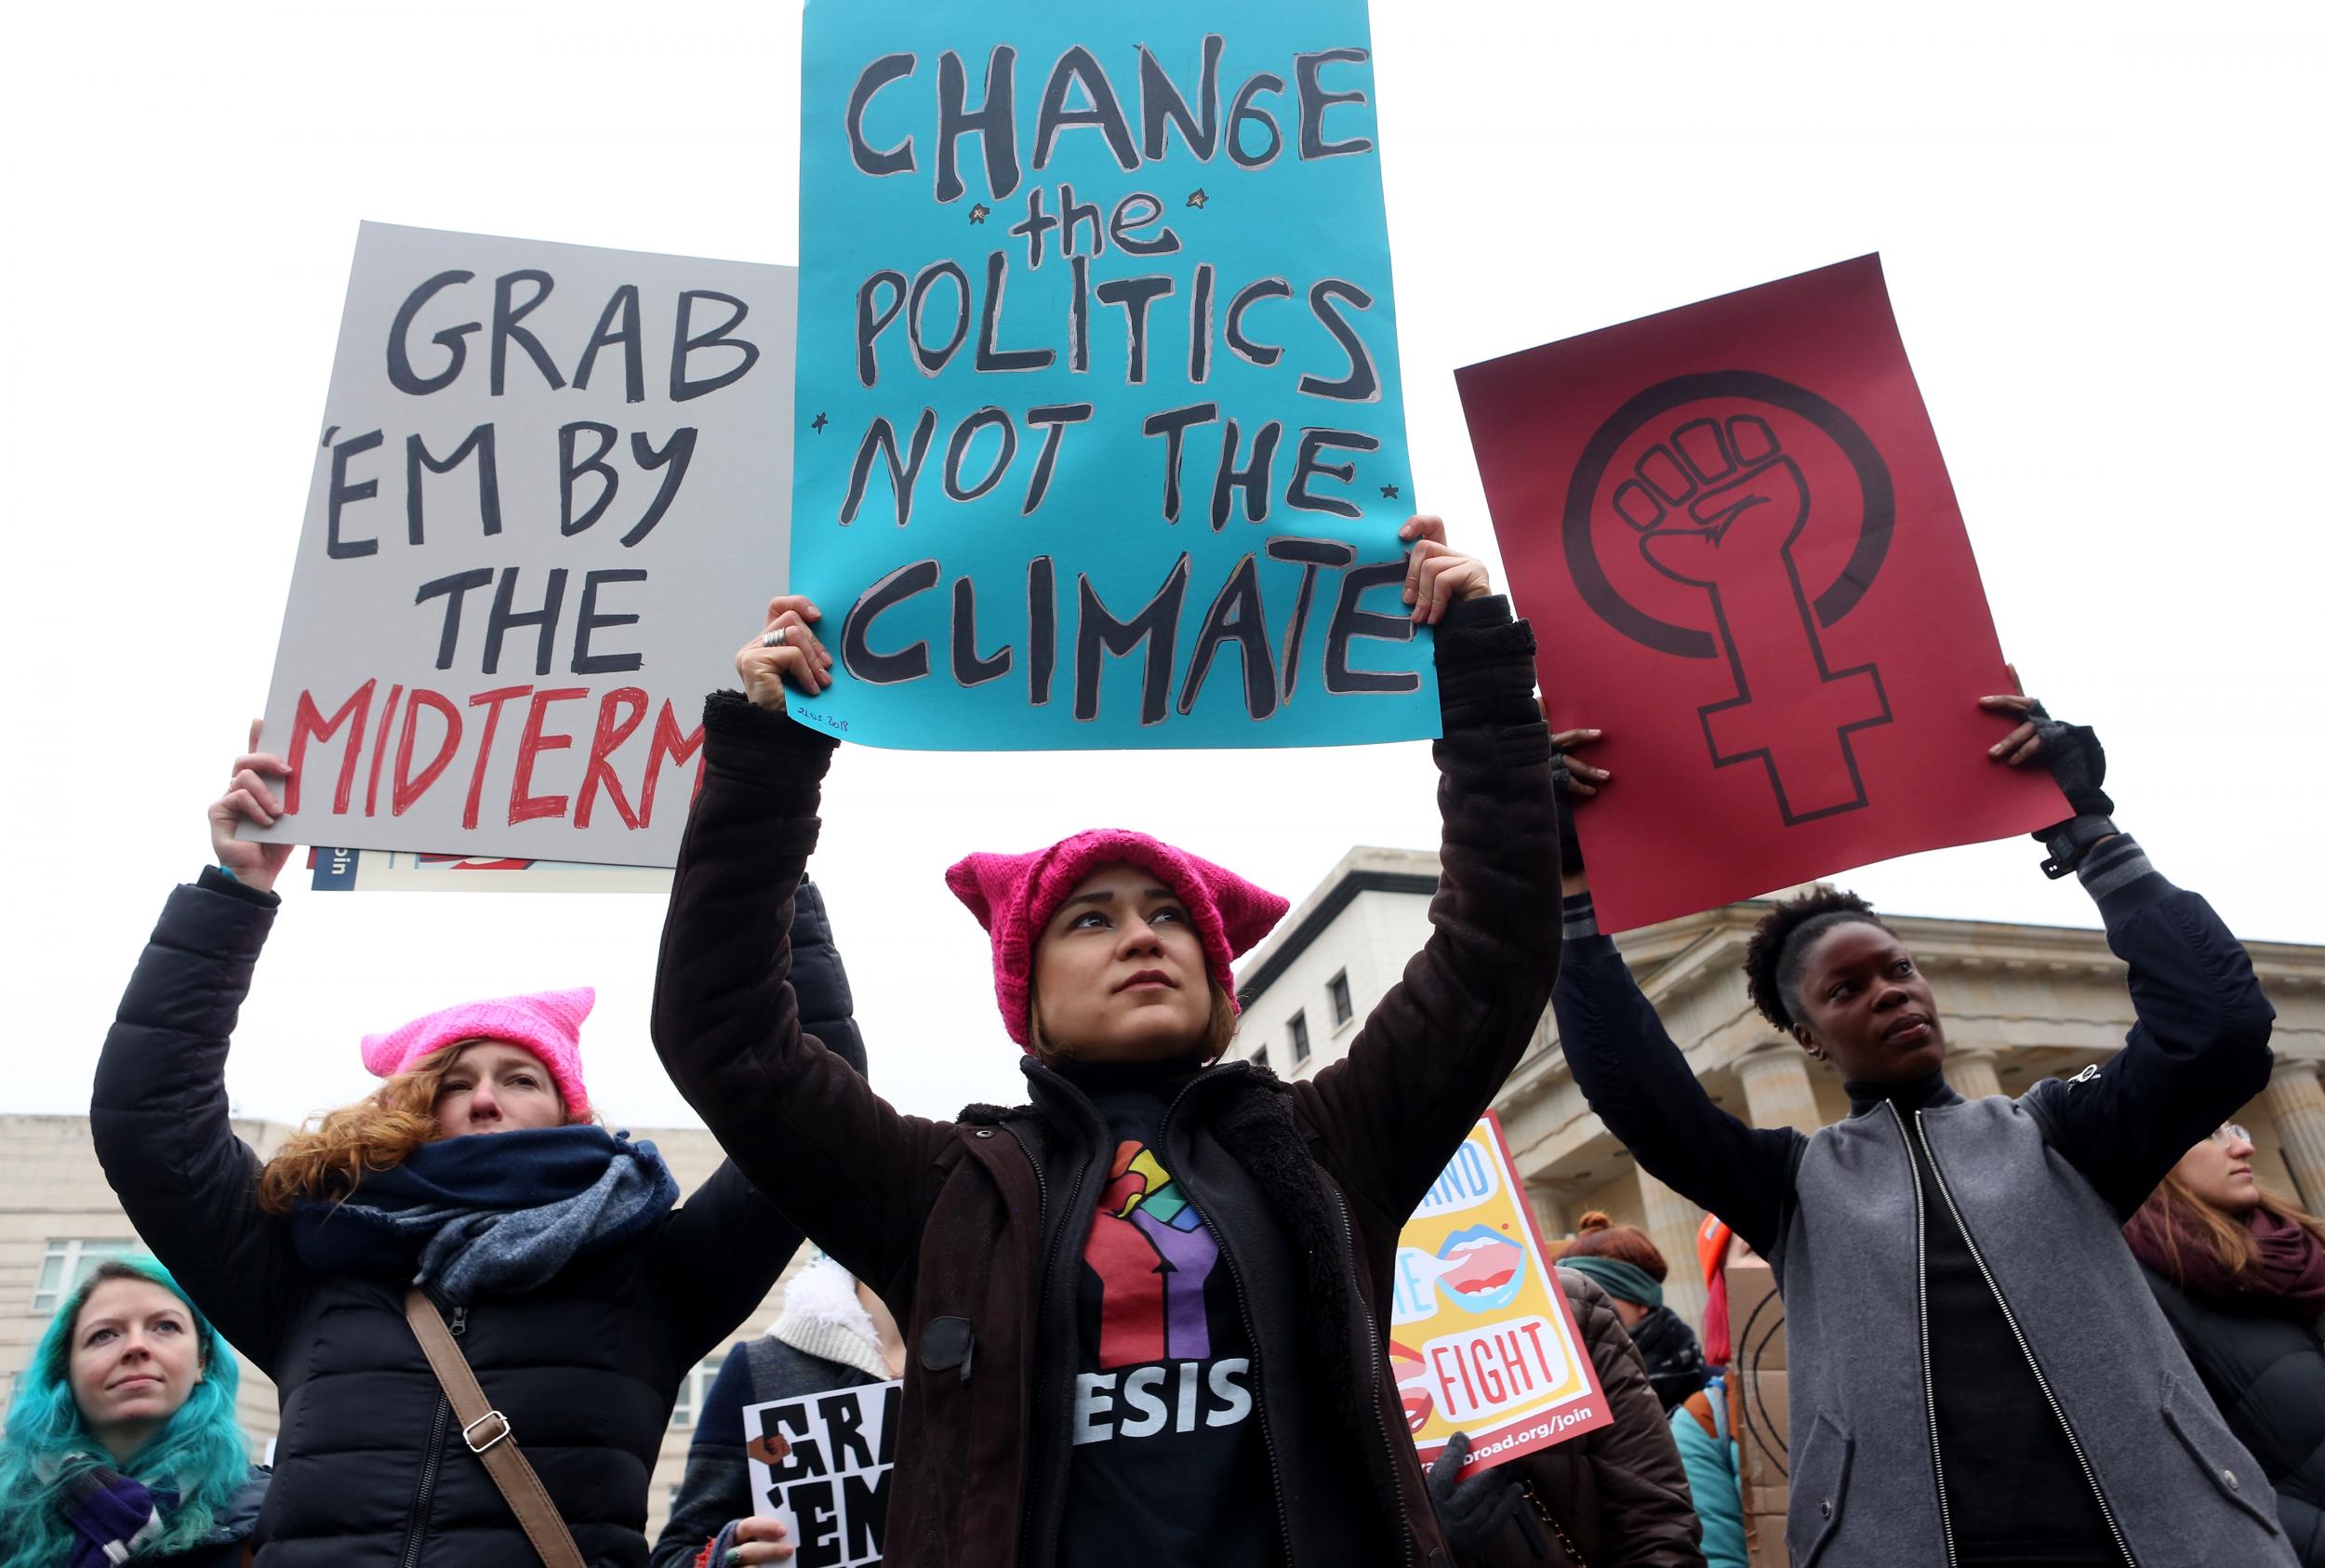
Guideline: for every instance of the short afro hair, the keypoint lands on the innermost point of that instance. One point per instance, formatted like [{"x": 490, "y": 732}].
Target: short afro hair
[{"x": 1778, "y": 950}]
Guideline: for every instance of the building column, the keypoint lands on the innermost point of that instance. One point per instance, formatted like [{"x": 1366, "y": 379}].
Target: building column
[
  {"x": 1672, "y": 1223},
  {"x": 1778, "y": 1089},
  {"x": 2297, "y": 1100},
  {"x": 1974, "y": 1073},
  {"x": 1549, "y": 1214}
]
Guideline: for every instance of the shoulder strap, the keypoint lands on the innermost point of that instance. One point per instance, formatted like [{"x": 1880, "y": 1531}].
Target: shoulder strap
[
  {"x": 487, "y": 1432},
  {"x": 1566, "y": 1541}
]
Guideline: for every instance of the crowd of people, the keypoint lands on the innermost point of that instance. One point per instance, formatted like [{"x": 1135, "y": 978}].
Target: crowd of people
[{"x": 2065, "y": 1328}]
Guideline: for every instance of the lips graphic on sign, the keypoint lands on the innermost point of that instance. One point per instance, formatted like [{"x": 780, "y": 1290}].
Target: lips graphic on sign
[
  {"x": 1486, "y": 1270},
  {"x": 1413, "y": 1384}
]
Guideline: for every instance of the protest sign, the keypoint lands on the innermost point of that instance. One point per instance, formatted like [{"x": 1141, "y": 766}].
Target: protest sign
[
  {"x": 548, "y": 504},
  {"x": 1482, "y": 1341},
  {"x": 1101, "y": 434},
  {"x": 339, "y": 870},
  {"x": 1733, "y": 531},
  {"x": 821, "y": 1463}
]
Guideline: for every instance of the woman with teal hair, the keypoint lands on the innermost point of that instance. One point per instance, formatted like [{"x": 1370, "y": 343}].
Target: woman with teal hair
[{"x": 121, "y": 1443}]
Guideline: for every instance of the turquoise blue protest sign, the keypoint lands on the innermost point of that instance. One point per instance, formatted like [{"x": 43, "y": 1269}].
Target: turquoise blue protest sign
[{"x": 1100, "y": 432}]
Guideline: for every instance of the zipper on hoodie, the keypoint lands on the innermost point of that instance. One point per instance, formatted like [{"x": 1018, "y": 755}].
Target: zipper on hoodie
[
  {"x": 2024, "y": 1349},
  {"x": 1251, "y": 1329},
  {"x": 1921, "y": 1293},
  {"x": 424, "y": 1495}
]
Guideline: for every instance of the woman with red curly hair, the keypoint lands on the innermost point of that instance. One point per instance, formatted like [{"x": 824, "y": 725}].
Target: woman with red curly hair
[
  {"x": 1978, "y": 1374},
  {"x": 576, "y": 1289}
]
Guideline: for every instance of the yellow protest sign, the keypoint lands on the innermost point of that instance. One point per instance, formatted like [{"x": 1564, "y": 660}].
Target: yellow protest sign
[{"x": 1481, "y": 1339}]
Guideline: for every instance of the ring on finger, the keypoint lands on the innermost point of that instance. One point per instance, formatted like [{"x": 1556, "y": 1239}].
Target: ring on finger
[{"x": 774, "y": 637}]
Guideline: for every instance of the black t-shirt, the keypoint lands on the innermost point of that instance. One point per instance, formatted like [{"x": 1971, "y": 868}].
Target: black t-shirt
[
  {"x": 1169, "y": 1465},
  {"x": 2014, "y": 1489}
]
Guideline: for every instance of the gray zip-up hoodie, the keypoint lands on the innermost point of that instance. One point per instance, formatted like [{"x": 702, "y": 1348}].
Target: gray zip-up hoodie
[
  {"x": 2037, "y": 1188},
  {"x": 2177, "y": 1489}
]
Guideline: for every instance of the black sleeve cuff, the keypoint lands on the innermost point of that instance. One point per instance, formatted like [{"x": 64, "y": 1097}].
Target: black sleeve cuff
[
  {"x": 765, "y": 746},
  {"x": 1478, "y": 632},
  {"x": 214, "y": 880}
]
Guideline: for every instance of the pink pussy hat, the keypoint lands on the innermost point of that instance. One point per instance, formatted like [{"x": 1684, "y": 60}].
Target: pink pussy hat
[
  {"x": 547, "y": 1023},
  {"x": 1013, "y": 896}
]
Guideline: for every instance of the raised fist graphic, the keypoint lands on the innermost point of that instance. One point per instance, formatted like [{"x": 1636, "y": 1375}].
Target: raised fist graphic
[
  {"x": 1717, "y": 503},
  {"x": 1772, "y": 507}
]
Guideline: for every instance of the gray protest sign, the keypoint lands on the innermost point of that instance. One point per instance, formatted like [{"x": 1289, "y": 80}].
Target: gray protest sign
[{"x": 551, "y": 497}]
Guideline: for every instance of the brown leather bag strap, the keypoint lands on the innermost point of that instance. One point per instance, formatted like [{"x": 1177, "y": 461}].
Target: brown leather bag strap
[{"x": 487, "y": 1432}]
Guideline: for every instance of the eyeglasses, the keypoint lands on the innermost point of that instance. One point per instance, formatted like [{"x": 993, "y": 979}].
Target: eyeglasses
[{"x": 2228, "y": 1133}]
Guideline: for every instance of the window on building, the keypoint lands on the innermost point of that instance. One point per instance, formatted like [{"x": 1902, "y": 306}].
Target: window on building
[
  {"x": 1259, "y": 1058},
  {"x": 695, "y": 1389},
  {"x": 1299, "y": 1038},
  {"x": 70, "y": 1260},
  {"x": 1343, "y": 1008}
]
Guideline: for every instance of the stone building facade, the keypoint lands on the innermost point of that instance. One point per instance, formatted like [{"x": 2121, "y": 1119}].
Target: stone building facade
[
  {"x": 59, "y": 1219},
  {"x": 2019, "y": 1002}
]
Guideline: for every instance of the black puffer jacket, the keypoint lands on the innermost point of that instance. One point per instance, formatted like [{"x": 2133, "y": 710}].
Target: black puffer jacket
[
  {"x": 370, "y": 1465},
  {"x": 2267, "y": 1376}
]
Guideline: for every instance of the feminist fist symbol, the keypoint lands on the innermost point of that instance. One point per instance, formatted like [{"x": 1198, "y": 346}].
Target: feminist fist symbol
[
  {"x": 1718, "y": 506},
  {"x": 1745, "y": 503}
]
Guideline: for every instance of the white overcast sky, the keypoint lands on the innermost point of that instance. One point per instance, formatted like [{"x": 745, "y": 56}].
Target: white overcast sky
[{"x": 2100, "y": 227}]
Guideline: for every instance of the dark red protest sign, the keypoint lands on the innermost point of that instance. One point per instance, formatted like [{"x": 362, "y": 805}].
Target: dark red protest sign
[{"x": 1733, "y": 531}]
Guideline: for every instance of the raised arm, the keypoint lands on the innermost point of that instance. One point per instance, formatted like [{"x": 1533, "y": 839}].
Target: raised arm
[
  {"x": 800, "y": 1122},
  {"x": 1436, "y": 1048},
  {"x": 159, "y": 1113},
  {"x": 722, "y": 1253},
  {"x": 1634, "y": 1075},
  {"x": 2200, "y": 1046},
  {"x": 1638, "y": 1081}
]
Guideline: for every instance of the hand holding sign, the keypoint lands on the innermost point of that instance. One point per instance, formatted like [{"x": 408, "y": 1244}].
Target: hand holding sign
[
  {"x": 1436, "y": 577},
  {"x": 2072, "y": 752},
  {"x": 784, "y": 651},
  {"x": 760, "y": 1539},
  {"x": 249, "y": 798},
  {"x": 1472, "y": 1511}
]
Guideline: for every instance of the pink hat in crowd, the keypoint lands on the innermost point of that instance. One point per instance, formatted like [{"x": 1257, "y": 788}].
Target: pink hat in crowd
[
  {"x": 1013, "y": 896},
  {"x": 547, "y": 1023}
]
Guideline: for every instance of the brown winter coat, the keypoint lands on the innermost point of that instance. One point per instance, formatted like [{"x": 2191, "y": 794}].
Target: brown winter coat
[
  {"x": 1618, "y": 1493},
  {"x": 956, "y": 1223}
]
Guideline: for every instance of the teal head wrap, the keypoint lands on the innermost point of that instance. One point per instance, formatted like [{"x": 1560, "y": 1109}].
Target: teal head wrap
[{"x": 1625, "y": 1282}]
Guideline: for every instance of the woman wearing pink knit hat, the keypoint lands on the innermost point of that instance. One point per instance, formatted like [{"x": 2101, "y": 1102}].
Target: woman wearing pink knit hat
[
  {"x": 577, "y": 1294},
  {"x": 1144, "y": 1309}
]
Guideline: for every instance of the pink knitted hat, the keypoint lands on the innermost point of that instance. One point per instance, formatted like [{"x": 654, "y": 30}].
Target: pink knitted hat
[
  {"x": 547, "y": 1023},
  {"x": 1013, "y": 896}
]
